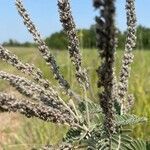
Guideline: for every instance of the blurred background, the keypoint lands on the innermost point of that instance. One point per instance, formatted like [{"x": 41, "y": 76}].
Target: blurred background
[{"x": 17, "y": 132}]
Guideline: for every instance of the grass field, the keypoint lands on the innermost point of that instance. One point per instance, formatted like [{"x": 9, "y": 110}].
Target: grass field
[{"x": 34, "y": 132}]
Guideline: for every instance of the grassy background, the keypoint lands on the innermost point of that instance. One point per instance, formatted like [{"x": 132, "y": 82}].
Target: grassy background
[{"x": 34, "y": 132}]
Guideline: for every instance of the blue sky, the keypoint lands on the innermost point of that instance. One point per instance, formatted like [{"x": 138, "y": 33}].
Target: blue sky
[{"x": 44, "y": 14}]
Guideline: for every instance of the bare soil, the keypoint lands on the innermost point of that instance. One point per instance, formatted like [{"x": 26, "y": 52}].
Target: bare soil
[{"x": 9, "y": 123}]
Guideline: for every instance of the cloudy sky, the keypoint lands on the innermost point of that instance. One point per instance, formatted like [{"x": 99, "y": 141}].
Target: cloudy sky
[{"x": 44, "y": 14}]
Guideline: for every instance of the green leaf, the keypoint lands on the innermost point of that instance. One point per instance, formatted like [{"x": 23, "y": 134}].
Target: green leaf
[{"x": 128, "y": 119}]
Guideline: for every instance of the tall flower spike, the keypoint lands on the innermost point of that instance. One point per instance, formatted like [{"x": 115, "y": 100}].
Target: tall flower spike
[
  {"x": 106, "y": 42},
  {"x": 30, "y": 89},
  {"x": 69, "y": 26},
  {"x": 128, "y": 56},
  {"x": 49, "y": 58},
  {"x": 13, "y": 60},
  {"x": 10, "y": 104},
  {"x": 36, "y": 92}
]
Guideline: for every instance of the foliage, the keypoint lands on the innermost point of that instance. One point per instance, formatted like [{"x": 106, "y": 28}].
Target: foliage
[
  {"x": 87, "y": 38},
  {"x": 57, "y": 40},
  {"x": 97, "y": 138},
  {"x": 143, "y": 34},
  {"x": 14, "y": 43}
]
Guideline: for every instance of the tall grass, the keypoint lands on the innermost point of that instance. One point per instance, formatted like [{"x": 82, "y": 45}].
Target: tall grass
[{"x": 35, "y": 132}]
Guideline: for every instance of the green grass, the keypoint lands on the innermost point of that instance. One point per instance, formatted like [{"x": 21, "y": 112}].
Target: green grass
[{"x": 36, "y": 132}]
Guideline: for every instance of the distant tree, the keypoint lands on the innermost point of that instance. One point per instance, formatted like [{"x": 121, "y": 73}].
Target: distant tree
[
  {"x": 143, "y": 37},
  {"x": 11, "y": 43},
  {"x": 14, "y": 43},
  {"x": 121, "y": 39},
  {"x": 87, "y": 37},
  {"x": 27, "y": 44},
  {"x": 57, "y": 40}
]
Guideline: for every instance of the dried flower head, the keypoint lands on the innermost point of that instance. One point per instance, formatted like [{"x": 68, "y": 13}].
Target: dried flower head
[
  {"x": 106, "y": 43},
  {"x": 69, "y": 26},
  {"x": 26, "y": 68},
  {"x": 10, "y": 104},
  {"x": 43, "y": 48},
  {"x": 128, "y": 55}
]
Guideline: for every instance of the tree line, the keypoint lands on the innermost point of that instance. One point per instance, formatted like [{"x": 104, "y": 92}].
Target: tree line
[
  {"x": 87, "y": 37},
  {"x": 15, "y": 43}
]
